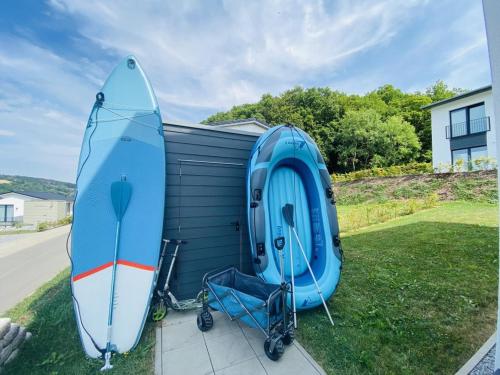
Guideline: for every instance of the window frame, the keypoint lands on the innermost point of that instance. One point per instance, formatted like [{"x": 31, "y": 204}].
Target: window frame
[
  {"x": 467, "y": 119},
  {"x": 468, "y": 152}
]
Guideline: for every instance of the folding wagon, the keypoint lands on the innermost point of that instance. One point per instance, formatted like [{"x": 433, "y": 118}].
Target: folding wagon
[{"x": 251, "y": 300}]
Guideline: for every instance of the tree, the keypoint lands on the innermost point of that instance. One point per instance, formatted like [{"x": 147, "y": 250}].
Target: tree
[
  {"x": 364, "y": 140},
  {"x": 358, "y": 138},
  {"x": 327, "y": 115},
  {"x": 399, "y": 143}
]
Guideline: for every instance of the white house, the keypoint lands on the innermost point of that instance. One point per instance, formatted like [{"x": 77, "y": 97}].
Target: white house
[
  {"x": 250, "y": 125},
  {"x": 14, "y": 205},
  {"x": 463, "y": 127}
]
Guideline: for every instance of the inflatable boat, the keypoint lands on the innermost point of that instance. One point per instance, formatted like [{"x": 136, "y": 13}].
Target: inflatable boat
[{"x": 287, "y": 169}]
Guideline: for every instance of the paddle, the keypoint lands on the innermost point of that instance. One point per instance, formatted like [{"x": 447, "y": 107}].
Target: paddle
[
  {"x": 288, "y": 215},
  {"x": 121, "y": 191}
]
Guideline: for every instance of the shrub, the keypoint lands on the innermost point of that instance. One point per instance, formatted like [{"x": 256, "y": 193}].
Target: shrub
[
  {"x": 43, "y": 226},
  {"x": 51, "y": 224},
  {"x": 395, "y": 170},
  {"x": 65, "y": 221}
]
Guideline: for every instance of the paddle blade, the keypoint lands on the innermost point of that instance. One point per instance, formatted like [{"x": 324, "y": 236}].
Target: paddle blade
[
  {"x": 288, "y": 214},
  {"x": 121, "y": 191}
]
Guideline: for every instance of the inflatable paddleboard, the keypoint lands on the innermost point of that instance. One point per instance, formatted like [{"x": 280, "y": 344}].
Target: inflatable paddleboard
[
  {"x": 286, "y": 168},
  {"x": 118, "y": 212}
]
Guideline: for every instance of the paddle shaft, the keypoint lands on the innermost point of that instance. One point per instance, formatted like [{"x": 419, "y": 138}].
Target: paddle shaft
[
  {"x": 293, "y": 278},
  {"x": 113, "y": 275},
  {"x": 313, "y": 277},
  {"x": 120, "y": 197}
]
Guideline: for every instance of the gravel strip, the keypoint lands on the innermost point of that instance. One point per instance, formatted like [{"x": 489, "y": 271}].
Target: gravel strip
[{"x": 487, "y": 364}]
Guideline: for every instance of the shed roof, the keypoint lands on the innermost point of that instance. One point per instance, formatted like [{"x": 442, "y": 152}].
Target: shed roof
[{"x": 251, "y": 120}]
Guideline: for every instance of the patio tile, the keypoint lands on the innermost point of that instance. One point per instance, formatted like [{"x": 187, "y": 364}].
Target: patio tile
[
  {"x": 248, "y": 367},
  {"x": 222, "y": 326},
  {"x": 158, "y": 370},
  {"x": 291, "y": 363},
  {"x": 177, "y": 317},
  {"x": 179, "y": 335},
  {"x": 255, "y": 338},
  {"x": 189, "y": 360},
  {"x": 229, "y": 349}
]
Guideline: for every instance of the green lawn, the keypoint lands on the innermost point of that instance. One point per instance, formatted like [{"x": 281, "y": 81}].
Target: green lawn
[
  {"x": 55, "y": 347},
  {"x": 418, "y": 294}
]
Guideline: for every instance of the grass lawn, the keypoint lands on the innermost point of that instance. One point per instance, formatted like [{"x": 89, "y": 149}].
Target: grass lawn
[
  {"x": 418, "y": 294},
  {"x": 55, "y": 347}
]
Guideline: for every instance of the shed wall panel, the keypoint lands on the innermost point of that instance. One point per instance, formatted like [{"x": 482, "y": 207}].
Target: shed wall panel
[{"x": 205, "y": 198}]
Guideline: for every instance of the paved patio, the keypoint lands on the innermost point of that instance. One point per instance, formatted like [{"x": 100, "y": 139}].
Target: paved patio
[{"x": 228, "y": 348}]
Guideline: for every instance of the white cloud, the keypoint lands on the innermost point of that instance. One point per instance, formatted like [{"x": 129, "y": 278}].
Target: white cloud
[
  {"x": 205, "y": 56},
  {"x": 44, "y": 104},
  {"x": 6, "y": 133},
  {"x": 218, "y": 54}
]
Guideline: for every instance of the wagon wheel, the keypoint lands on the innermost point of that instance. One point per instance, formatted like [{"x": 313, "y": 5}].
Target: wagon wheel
[
  {"x": 277, "y": 352},
  {"x": 289, "y": 336},
  {"x": 204, "y": 321},
  {"x": 158, "y": 311}
]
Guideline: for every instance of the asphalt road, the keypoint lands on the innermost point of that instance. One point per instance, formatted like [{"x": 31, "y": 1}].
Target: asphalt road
[{"x": 29, "y": 261}]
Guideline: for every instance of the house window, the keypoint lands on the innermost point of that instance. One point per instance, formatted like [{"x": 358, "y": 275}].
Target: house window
[
  {"x": 460, "y": 155},
  {"x": 468, "y": 120},
  {"x": 6, "y": 212},
  {"x": 469, "y": 155},
  {"x": 458, "y": 119}
]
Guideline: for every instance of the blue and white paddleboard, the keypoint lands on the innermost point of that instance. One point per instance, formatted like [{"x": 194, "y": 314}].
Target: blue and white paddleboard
[{"x": 115, "y": 248}]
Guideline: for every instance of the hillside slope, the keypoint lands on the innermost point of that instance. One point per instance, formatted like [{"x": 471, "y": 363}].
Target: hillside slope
[
  {"x": 470, "y": 186},
  {"x": 23, "y": 183}
]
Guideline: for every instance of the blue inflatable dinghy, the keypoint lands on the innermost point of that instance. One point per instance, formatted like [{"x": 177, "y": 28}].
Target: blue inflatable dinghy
[{"x": 287, "y": 170}]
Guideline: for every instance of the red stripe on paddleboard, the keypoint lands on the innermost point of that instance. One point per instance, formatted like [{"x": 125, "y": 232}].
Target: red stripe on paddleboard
[
  {"x": 92, "y": 271},
  {"x": 136, "y": 265},
  {"x": 109, "y": 264}
]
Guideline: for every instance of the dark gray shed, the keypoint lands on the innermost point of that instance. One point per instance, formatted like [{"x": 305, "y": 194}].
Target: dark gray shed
[{"x": 205, "y": 201}]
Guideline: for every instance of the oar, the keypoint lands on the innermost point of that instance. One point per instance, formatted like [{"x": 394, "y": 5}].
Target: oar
[
  {"x": 288, "y": 215},
  {"x": 289, "y": 218},
  {"x": 121, "y": 191}
]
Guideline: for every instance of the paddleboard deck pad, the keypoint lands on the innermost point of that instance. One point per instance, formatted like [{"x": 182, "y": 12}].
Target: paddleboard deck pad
[{"x": 123, "y": 141}]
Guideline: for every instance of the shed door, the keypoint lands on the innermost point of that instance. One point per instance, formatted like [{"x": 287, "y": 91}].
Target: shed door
[{"x": 207, "y": 209}]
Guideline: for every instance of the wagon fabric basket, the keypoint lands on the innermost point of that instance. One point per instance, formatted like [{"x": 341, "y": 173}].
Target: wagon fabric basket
[{"x": 258, "y": 304}]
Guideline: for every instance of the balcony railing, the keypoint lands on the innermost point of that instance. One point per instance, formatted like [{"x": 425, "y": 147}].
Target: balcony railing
[{"x": 460, "y": 129}]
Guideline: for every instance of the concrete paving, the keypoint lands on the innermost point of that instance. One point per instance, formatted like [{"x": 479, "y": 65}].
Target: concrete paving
[
  {"x": 228, "y": 348},
  {"x": 29, "y": 261}
]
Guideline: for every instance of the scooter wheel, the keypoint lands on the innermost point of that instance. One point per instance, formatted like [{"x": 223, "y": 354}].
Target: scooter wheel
[{"x": 158, "y": 311}]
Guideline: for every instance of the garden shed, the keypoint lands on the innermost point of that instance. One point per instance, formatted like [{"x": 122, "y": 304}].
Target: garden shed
[{"x": 205, "y": 201}]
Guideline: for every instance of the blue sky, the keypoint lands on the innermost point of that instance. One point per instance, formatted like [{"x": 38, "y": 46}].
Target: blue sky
[{"x": 206, "y": 56}]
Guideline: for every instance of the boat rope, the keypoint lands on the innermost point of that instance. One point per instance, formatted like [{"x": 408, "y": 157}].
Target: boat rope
[{"x": 97, "y": 105}]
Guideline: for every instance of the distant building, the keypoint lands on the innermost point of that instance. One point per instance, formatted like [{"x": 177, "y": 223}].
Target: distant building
[
  {"x": 250, "y": 125},
  {"x": 31, "y": 207},
  {"x": 463, "y": 128}
]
